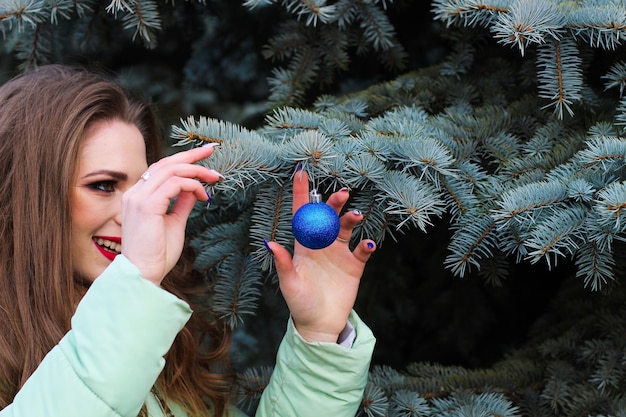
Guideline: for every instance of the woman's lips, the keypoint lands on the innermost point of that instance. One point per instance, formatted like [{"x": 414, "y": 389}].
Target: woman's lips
[{"x": 110, "y": 255}]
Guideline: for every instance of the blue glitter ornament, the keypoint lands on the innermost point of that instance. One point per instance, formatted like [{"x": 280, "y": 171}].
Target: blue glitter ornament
[{"x": 316, "y": 224}]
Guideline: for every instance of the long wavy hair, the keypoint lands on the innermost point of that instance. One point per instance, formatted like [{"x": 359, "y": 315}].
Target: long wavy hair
[{"x": 44, "y": 114}]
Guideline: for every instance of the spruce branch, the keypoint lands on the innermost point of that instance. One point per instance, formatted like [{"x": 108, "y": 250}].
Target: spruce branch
[
  {"x": 610, "y": 205},
  {"x": 560, "y": 75},
  {"x": 15, "y": 14},
  {"x": 288, "y": 87},
  {"x": 459, "y": 196},
  {"x": 620, "y": 116},
  {"x": 616, "y": 77},
  {"x": 63, "y": 9},
  {"x": 530, "y": 22},
  {"x": 601, "y": 24},
  {"x": 282, "y": 121},
  {"x": 216, "y": 241},
  {"x": 474, "y": 239},
  {"x": 312, "y": 10},
  {"x": 270, "y": 221},
  {"x": 317, "y": 52},
  {"x": 520, "y": 204},
  {"x": 312, "y": 149},
  {"x": 236, "y": 292},
  {"x": 363, "y": 169},
  {"x": 144, "y": 18},
  {"x": 118, "y": 6},
  {"x": 375, "y": 403},
  {"x": 429, "y": 157},
  {"x": 377, "y": 224},
  {"x": 495, "y": 270},
  {"x": 410, "y": 199},
  {"x": 558, "y": 235},
  {"x": 346, "y": 13},
  {"x": 408, "y": 403},
  {"x": 469, "y": 13},
  {"x": 603, "y": 153},
  {"x": 377, "y": 30},
  {"x": 244, "y": 157},
  {"x": 595, "y": 265},
  {"x": 250, "y": 385}
]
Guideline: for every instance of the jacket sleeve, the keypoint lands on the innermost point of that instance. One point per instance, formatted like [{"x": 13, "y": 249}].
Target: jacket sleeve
[
  {"x": 107, "y": 363},
  {"x": 318, "y": 379}
]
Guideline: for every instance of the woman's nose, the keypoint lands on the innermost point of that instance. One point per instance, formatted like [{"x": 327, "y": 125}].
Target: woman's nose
[{"x": 117, "y": 218}]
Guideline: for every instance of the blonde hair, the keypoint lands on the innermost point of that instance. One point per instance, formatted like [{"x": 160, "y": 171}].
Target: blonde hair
[{"x": 44, "y": 114}]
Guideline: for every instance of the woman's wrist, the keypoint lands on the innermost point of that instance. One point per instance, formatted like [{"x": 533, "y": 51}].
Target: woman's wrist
[{"x": 344, "y": 338}]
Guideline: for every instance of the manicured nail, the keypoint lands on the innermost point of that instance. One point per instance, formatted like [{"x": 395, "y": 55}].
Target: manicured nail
[
  {"x": 216, "y": 173},
  {"x": 210, "y": 145},
  {"x": 267, "y": 246},
  {"x": 356, "y": 212},
  {"x": 370, "y": 245},
  {"x": 299, "y": 171},
  {"x": 209, "y": 199}
]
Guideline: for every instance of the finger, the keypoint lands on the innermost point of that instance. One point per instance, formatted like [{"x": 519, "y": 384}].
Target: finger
[
  {"x": 284, "y": 265},
  {"x": 185, "y": 157},
  {"x": 159, "y": 176},
  {"x": 364, "y": 250},
  {"x": 338, "y": 200},
  {"x": 157, "y": 201},
  {"x": 175, "y": 186},
  {"x": 183, "y": 205},
  {"x": 300, "y": 190},
  {"x": 347, "y": 223},
  {"x": 188, "y": 156}
]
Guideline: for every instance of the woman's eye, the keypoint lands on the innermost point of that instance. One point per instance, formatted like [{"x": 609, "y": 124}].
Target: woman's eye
[{"x": 104, "y": 186}]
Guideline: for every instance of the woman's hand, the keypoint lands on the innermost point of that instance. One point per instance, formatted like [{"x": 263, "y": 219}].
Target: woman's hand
[
  {"x": 320, "y": 286},
  {"x": 152, "y": 234}
]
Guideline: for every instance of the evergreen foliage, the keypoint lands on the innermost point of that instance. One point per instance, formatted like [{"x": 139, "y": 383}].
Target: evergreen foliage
[{"x": 513, "y": 144}]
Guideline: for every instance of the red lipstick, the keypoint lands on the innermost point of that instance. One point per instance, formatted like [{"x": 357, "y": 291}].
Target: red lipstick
[{"x": 107, "y": 254}]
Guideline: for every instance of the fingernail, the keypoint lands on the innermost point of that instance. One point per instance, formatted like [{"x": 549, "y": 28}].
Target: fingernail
[
  {"x": 344, "y": 189},
  {"x": 356, "y": 212},
  {"x": 210, "y": 145},
  {"x": 216, "y": 173},
  {"x": 209, "y": 199},
  {"x": 299, "y": 171},
  {"x": 370, "y": 245},
  {"x": 267, "y": 246}
]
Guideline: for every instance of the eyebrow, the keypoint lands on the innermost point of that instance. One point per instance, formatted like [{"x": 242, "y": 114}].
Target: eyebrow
[{"x": 120, "y": 176}]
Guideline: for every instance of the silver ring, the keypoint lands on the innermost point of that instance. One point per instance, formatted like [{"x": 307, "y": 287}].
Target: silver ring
[
  {"x": 343, "y": 240},
  {"x": 145, "y": 175}
]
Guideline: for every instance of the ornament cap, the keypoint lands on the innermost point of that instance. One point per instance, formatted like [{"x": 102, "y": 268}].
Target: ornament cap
[{"x": 314, "y": 196}]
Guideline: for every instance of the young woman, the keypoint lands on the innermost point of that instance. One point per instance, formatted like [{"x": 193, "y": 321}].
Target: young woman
[{"x": 96, "y": 285}]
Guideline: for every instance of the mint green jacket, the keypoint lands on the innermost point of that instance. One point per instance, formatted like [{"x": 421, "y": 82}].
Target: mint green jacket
[{"x": 123, "y": 327}]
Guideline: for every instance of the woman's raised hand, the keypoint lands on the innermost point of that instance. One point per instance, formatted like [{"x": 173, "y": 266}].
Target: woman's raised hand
[
  {"x": 320, "y": 286},
  {"x": 153, "y": 234}
]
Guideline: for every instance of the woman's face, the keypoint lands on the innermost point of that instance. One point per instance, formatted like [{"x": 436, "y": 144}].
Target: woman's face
[{"x": 112, "y": 157}]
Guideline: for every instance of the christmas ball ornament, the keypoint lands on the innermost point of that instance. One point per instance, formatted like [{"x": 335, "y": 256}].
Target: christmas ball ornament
[{"x": 315, "y": 225}]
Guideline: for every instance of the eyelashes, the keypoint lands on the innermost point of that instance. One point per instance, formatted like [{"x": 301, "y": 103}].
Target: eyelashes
[{"x": 103, "y": 186}]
